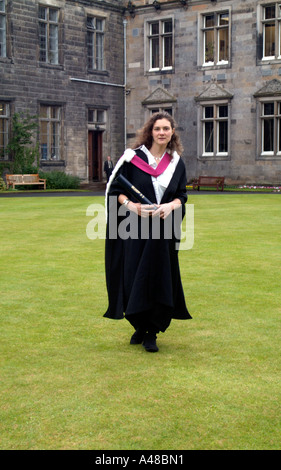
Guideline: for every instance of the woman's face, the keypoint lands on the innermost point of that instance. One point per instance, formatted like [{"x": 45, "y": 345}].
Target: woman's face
[{"x": 162, "y": 132}]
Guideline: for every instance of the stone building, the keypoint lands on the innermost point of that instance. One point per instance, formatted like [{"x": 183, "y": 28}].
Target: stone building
[
  {"x": 94, "y": 70},
  {"x": 216, "y": 66},
  {"x": 63, "y": 61}
]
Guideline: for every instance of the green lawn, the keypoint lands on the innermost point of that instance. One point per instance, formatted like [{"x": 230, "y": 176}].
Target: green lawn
[{"x": 71, "y": 380}]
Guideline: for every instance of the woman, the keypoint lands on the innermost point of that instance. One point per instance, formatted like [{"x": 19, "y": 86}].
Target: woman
[{"x": 142, "y": 269}]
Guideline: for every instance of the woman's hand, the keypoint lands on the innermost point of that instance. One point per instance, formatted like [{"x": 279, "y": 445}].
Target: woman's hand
[
  {"x": 164, "y": 210},
  {"x": 144, "y": 210}
]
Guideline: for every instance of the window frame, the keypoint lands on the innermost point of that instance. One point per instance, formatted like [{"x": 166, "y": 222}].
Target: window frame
[
  {"x": 276, "y": 21},
  {"x": 215, "y": 120},
  {"x": 217, "y": 28},
  {"x": 48, "y": 51},
  {"x": 215, "y": 154},
  {"x": 275, "y": 153},
  {"x": 96, "y": 122},
  {"x": 97, "y": 63},
  {"x": 50, "y": 122},
  {"x": 162, "y": 36}
]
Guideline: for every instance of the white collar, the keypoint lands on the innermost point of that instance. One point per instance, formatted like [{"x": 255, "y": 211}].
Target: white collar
[{"x": 151, "y": 159}]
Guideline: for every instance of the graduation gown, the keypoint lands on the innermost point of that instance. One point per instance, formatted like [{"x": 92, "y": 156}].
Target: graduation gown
[{"x": 142, "y": 273}]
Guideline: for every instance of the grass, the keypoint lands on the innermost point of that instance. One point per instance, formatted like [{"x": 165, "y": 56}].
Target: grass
[{"x": 70, "y": 379}]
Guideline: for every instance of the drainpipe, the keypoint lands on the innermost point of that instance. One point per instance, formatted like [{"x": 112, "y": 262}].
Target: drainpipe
[{"x": 125, "y": 22}]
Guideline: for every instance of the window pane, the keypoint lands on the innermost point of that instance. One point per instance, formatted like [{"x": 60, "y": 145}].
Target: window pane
[
  {"x": 2, "y": 109},
  {"x": 90, "y": 50},
  {"x": 43, "y": 111},
  {"x": 155, "y": 53},
  {"x": 209, "y": 139},
  {"x": 42, "y": 42},
  {"x": 269, "y": 40},
  {"x": 223, "y": 111},
  {"x": 268, "y": 109},
  {"x": 44, "y": 140},
  {"x": 2, "y": 137},
  {"x": 209, "y": 21},
  {"x": 223, "y": 44},
  {"x": 53, "y": 44},
  {"x": 269, "y": 12},
  {"x": 90, "y": 115},
  {"x": 53, "y": 15},
  {"x": 99, "y": 24},
  {"x": 55, "y": 141},
  {"x": 55, "y": 112},
  {"x": 209, "y": 112},
  {"x": 223, "y": 19},
  {"x": 209, "y": 46},
  {"x": 4, "y": 126},
  {"x": 100, "y": 116},
  {"x": 42, "y": 14},
  {"x": 154, "y": 28},
  {"x": 99, "y": 51},
  {"x": 268, "y": 132},
  {"x": 2, "y": 36},
  {"x": 168, "y": 51},
  {"x": 223, "y": 137},
  {"x": 167, "y": 26},
  {"x": 90, "y": 22}
]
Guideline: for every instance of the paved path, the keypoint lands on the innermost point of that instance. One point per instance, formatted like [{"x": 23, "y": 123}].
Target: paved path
[
  {"x": 101, "y": 193},
  {"x": 52, "y": 194}
]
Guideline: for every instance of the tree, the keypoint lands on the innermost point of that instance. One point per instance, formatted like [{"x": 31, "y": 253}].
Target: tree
[{"x": 21, "y": 147}]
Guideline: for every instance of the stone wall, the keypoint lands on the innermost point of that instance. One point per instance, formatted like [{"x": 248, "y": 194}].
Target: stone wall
[
  {"x": 241, "y": 79},
  {"x": 26, "y": 82}
]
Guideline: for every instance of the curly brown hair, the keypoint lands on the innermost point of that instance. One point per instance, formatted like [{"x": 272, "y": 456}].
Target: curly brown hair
[{"x": 144, "y": 135}]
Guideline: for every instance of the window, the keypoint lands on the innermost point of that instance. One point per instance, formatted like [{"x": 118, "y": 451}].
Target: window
[
  {"x": 95, "y": 43},
  {"x": 159, "y": 110},
  {"x": 96, "y": 116},
  {"x": 215, "y": 130},
  {"x": 50, "y": 132},
  {"x": 271, "y": 128},
  {"x": 160, "y": 39},
  {"x": 215, "y": 39},
  {"x": 2, "y": 29},
  {"x": 48, "y": 35},
  {"x": 4, "y": 129},
  {"x": 271, "y": 31}
]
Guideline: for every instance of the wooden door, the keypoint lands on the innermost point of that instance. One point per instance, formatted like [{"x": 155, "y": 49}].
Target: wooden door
[{"x": 95, "y": 155}]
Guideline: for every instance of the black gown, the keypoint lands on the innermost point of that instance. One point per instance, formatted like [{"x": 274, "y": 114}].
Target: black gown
[{"x": 142, "y": 273}]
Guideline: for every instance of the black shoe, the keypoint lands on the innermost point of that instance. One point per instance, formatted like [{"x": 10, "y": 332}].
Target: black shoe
[
  {"x": 149, "y": 343},
  {"x": 138, "y": 336}
]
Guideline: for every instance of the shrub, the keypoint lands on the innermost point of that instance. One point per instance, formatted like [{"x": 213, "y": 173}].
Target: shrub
[
  {"x": 2, "y": 185},
  {"x": 60, "y": 180}
]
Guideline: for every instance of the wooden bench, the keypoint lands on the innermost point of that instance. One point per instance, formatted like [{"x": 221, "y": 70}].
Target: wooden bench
[
  {"x": 211, "y": 181},
  {"x": 16, "y": 180}
]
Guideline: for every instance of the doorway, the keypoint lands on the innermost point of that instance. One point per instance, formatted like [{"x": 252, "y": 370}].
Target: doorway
[{"x": 95, "y": 155}]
